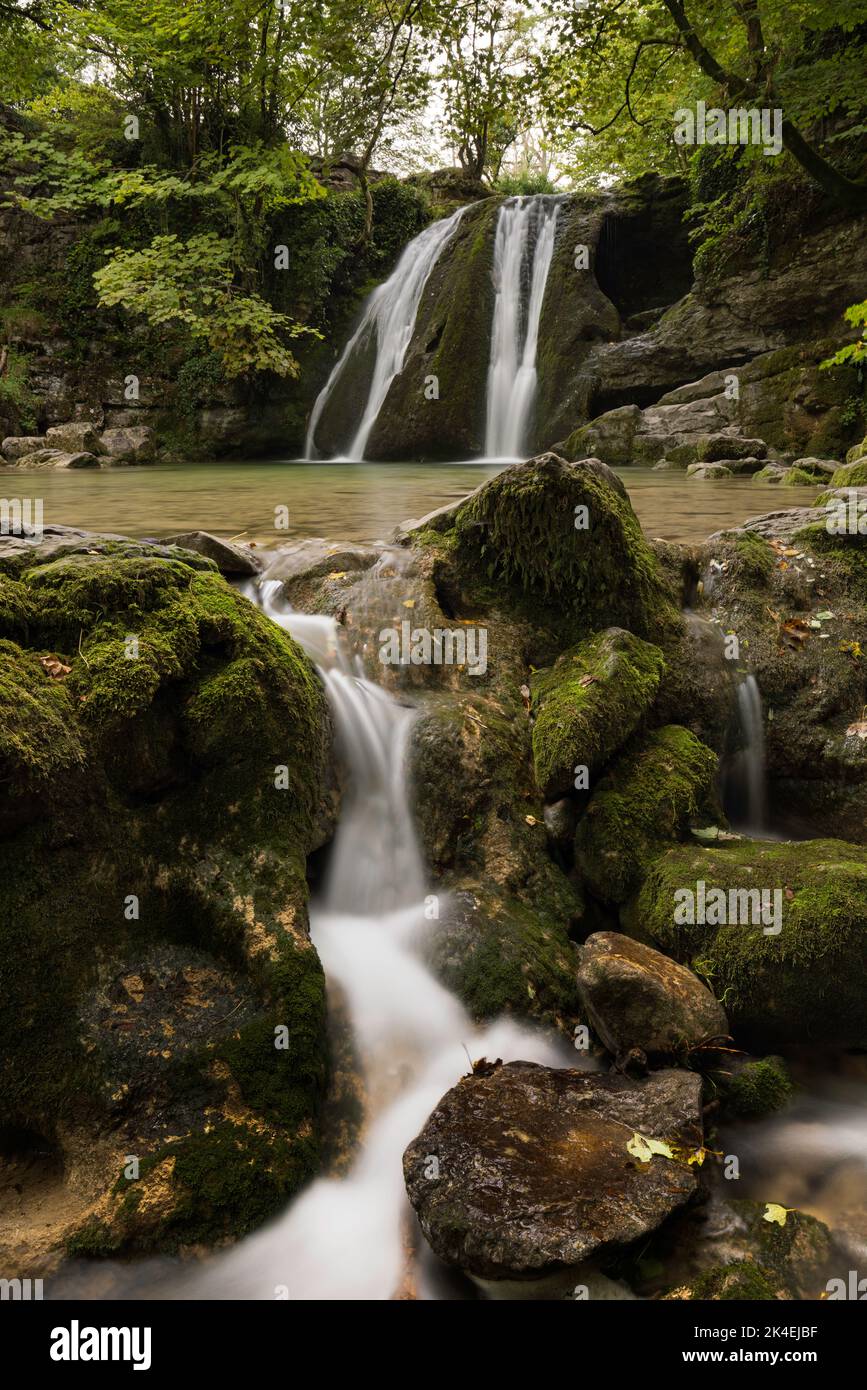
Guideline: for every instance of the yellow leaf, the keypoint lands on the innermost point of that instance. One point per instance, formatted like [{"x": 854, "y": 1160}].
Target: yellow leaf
[
  {"x": 774, "y": 1212},
  {"x": 531, "y": 820},
  {"x": 643, "y": 1149},
  {"x": 337, "y": 574},
  {"x": 409, "y": 603}
]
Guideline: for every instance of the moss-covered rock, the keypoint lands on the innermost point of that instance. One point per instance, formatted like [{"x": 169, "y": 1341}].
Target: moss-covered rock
[
  {"x": 554, "y": 543},
  {"x": 161, "y": 985},
  {"x": 660, "y": 784},
  {"x": 588, "y": 704},
  {"x": 756, "y": 1087},
  {"x": 803, "y": 984},
  {"x": 853, "y": 474}
]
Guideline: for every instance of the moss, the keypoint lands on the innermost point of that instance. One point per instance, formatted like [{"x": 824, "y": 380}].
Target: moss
[
  {"x": 742, "y": 1281},
  {"x": 799, "y": 477},
  {"x": 520, "y": 544},
  {"x": 223, "y": 1182},
  {"x": 804, "y": 985},
  {"x": 851, "y": 474},
  {"x": 769, "y": 474},
  {"x": 589, "y": 703},
  {"x": 753, "y": 559},
  {"x": 757, "y": 1088},
  {"x": 661, "y": 783},
  {"x": 38, "y": 737},
  {"x": 499, "y": 955}
]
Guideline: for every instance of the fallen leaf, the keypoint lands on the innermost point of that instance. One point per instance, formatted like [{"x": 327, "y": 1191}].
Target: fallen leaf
[
  {"x": 55, "y": 668},
  {"x": 409, "y": 603},
  {"x": 336, "y": 574},
  {"x": 643, "y": 1149},
  {"x": 588, "y": 680},
  {"x": 859, "y": 728},
  {"x": 774, "y": 1212},
  {"x": 531, "y": 820}
]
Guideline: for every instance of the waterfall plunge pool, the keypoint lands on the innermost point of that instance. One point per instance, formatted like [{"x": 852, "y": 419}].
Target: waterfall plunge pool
[{"x": 350, "y": 501}]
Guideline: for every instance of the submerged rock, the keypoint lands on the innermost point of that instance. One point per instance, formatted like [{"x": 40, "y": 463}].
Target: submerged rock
[
  {"x": 634, "y": 997},
  {"x": 533, "y": 1175}
]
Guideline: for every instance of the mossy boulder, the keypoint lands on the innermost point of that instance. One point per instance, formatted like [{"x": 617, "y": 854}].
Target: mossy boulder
[
  {"x": 554, "y": 543},
  {"x": 663, "y": 782},
  {"x": 588, "y": 704},
  {"x": 755, "y": 1087},
  {"x": 803, "y": 984},
  {"x": 162, "y": 997},
  {"x": 763, "y": 1260},
  {"x": 852, "y": 474}
]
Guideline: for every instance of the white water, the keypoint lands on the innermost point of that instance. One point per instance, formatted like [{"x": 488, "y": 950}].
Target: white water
[
  {"x": 344, "y": 1238},
  {"x": 389, "y": 314},
  {"x": 523, "y": 249},
  {"x": 752, "y": 758}
]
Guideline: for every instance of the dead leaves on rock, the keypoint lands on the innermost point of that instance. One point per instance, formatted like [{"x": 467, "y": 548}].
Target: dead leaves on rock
[{"x": 54, "y": 668}]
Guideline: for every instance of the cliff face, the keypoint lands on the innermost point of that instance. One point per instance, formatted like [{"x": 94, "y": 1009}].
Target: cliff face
[{"x": 624, "y": 323}]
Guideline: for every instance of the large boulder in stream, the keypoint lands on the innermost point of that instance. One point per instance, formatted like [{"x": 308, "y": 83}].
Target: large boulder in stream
[
  {"x": 162, "y": 751},
  {"x": 539, "y": 1170},
  {"x": 779, "y": 931}
]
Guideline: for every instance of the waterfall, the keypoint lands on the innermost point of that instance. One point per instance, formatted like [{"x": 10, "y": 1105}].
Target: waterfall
[
  {"x": 523, "y": 249},
  {"x": 752, "y": 755},
  {"x": 387, "y": 320},
  {"x": 344, "y": 1238}
]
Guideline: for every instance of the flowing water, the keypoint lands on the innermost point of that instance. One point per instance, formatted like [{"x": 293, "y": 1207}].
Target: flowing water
[
  {"x": 523, "y": 248},
  {"x": 751, "y": 758},
  {"x": 387, "y": 320},
  {"x": 346, "y": 1238}
]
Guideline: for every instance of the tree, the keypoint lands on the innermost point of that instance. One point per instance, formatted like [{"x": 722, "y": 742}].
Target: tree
[
  {"x": 621, "y": 67},
  {"x": 484, "y": 51}
]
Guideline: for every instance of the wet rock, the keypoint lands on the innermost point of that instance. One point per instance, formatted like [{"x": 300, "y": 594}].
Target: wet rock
[
  {"x": 77, "y": 437},
  {"x": 635, "y": 997},
  {"x": 133, "y": 444},
  {"x": 662, "y": 782},
  {"x": 702, "y": 471},
  {"x": 588, "y": 704},
  {"x": 15, "y": 447},
  {"x": 46, "y": 460},
  {"x": 741, "y": 467},
  {"x": 229, "y": 558},
  {"x": 791, "y": 964},
  {"x": 533, "y": 1174}
]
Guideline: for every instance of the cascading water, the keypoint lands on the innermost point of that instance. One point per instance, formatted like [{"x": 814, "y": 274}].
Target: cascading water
[
  {"x": 387, "y": 320},
  {"x": 523, "y": 249},
  {"x": 344, "y": 1238},
  {"x": 750, "y": 808}
]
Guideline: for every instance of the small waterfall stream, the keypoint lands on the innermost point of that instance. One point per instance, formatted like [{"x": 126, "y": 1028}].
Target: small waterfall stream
[
  {"x": 344, "y": 1238},
  {"x": 387, "y": 320},
  {"x": 752, "y": 755},
  {"x": 523, "y": 250}
]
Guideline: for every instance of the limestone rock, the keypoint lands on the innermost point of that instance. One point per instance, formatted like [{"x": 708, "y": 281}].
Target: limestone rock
[
  {"x": 534, "y": 1174},
  {"x": 636, "y": 997},
  {"x": 229, "y": 558},
  {"x": 17, "y": 446},
  {"x": 133, "y": 444},
  {"x": 77, "y": 437}
]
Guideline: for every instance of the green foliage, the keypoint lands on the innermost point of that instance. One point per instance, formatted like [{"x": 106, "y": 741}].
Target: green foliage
[
  {"x": 172, "y": 282},
  {"x": 856, "y": 314},
  {"x": 16, "y": 393},
  {"x": 520, "y": 185}
]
